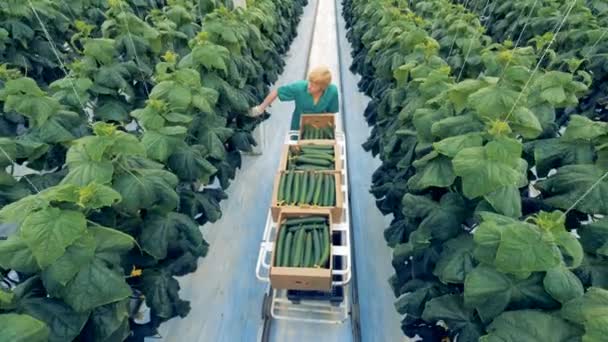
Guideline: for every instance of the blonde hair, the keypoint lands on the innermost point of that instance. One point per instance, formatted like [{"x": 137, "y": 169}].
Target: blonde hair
[{"x": 320, "y": 76}]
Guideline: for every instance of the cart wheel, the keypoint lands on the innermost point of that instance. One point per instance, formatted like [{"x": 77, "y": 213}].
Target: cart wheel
[{"x": 266, "y": 306}]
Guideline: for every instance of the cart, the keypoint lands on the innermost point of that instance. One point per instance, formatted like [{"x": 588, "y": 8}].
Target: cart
[{"x": 311, "y": 306}]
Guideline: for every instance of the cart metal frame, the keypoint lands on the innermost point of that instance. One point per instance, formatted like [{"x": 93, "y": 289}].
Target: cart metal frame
[{"x": 276, "y": 304}]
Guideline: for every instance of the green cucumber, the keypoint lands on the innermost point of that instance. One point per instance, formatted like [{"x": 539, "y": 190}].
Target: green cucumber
[
  {"x": 301, "y": 226},
  {"x": 318, "y": 155},
  {"x": 307, "y": 251},
  {"x": 316, "y": 246},
  {"x": 279, "y": 245},
  {"x": 312, "y": 161},
  {"x": 299, "y": 248},
  {"x": 309, "y": 167},
  {"x": 295, "y": 195},
  {"x": 320, "y": 148},
  {"x": 318, "y": 187},
  {"x": 326, "y": 246},
  {"x": 311, "y": 188},
  {"x": 281, "y": 193},
  {"x": 326, "y": 132},
  {"x": 305, "y": 220},
  {"x": 332, "y": 190},
  {"x": 289, "y": 187},
  {"x": 286, "y": 257},
  {"x": 324, "y": 193},
  {"x": 304, "y": 188}
]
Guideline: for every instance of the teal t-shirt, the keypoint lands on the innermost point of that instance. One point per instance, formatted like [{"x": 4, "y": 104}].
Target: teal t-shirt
[{"x": 298, "y": 92}]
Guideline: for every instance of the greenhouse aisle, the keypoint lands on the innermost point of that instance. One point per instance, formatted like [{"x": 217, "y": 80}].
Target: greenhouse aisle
[
  {"x": 225, "y": 295},
  {"x": 378, "y": 319}
]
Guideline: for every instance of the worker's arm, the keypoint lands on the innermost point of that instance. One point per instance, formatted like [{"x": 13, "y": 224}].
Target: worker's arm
[
  {"x": 269, "y": 99},
  {"x": 287, "y": 92},
  {"x": 258, "y": 110}
]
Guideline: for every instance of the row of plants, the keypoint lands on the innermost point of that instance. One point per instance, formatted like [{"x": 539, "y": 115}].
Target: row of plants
[
  {"x": 496, "y": 185},
  {"x": 115, "y": 150},
  {"x": 575, "y": 30}
]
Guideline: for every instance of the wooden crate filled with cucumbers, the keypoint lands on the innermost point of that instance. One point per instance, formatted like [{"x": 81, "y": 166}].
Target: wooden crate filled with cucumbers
[
  {"x": 311, "y": 156},
  {"x": 317, "y": 127},
  {"x": 308, "y": 190},
  {"x": 301, "y": 257}
]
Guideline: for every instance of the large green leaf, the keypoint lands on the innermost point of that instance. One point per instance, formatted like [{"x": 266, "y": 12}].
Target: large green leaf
[
  {"x": 149, "y": 118},
  {"x": 125, "y": 144},
  {"x": 50, "y": 231},
  {"x": 523, "y": 121},
  {"x": 594, "y": 236},
  {"x": 491, "y": 292},
  {"x": 487, "y": 169},
  {"x": 160, "y": 146},
  {"x": 451, "y": 146},
  {"x": 102, "y": 50},
  {"x": 436, "y": 173},
  {"x": 459, "y": 92},
  {"x": 23, "y": 96},
  {"x": 60, "y": 127},
  {"x": 591, "y": 311},
  {"x": 159, "y": 231},
  {"x": 112, "y": 110},
  {"x": 95, "y": 285},
  {"x": 582, "y": 185},
  {"x": 84, "y": 170},
  {"x": 416, "y": 293},
  {"x": 206, "y": 203},
  {"x": 69, "y": 264},
  {"x": 65, "y": 324},
  {"x": 530, "y": 326},
  {"x": 505, "y": 200},
  {"x": 108, "y": 323},
  {"x": 209, "y": 55},
  {"x": 456, "y": 260},
  {"x": 554, "y": 153},
  {"x": 177, "y": 96},
  {"x": 110, "y": 241},
  {"x": 161, "y": 291},
  {"x": 439, "y": 221},
  {"x": 213, "y": 133},
  {"x": 456, "y": 125},
  {"x": 22, "y": 328},
  {"x": 95, "y": 196},
  {"x": 15, "y": 254},
  {"x": 558, "y": 88},
  {"x": 493, "y": 102},
  {"x": 523, "y": 248},
  {"x": 147, "y": 189},
  {"x": 92, "y": 196},
  {"x": 450, "y": 309},
  {"x": 583, "y": 128},
  {"x": 189, "y": 165},
  {"x": 562, "y": 284},
  {"x": 205, "y": 99},
  {"x": 13, "y": 213},
  {"x": 444, "y": 217}
]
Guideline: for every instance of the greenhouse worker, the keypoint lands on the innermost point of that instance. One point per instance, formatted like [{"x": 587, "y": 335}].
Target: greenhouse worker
[{"x": 312, "y": 96}]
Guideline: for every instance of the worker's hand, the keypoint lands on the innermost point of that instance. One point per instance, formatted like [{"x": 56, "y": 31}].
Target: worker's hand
[{"x": 256, "y": 111}]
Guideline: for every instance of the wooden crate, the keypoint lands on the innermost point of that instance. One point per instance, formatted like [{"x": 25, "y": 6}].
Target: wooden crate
[
  {"x": 317, "y": 120},
  {"x": 336, "y": 211},
  {"x": 301, "y": 278},
  {"x": 287, "y": 147}
]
